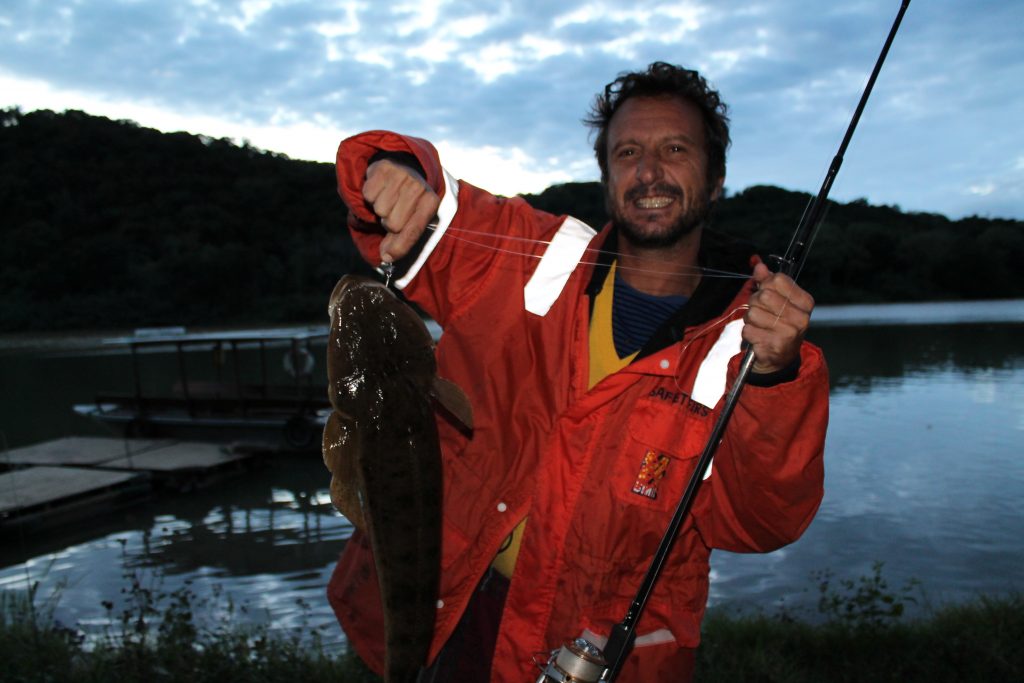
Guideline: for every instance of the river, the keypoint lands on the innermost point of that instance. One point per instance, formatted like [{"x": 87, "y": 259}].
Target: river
[{"x": 924, "y": 472}]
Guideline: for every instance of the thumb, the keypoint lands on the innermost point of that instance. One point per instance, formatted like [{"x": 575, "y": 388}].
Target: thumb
[
  {"x": 385, "y": 251},
  {"x": 761, "y": 274}
]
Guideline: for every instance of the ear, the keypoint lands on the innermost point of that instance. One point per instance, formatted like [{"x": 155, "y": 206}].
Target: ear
[{"x": 716, "y": 190}]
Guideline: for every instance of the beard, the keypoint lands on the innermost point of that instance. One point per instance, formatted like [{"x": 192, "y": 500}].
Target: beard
[{"x": 689, "y": 220}]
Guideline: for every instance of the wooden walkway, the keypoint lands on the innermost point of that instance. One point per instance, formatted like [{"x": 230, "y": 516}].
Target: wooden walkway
[
  {"x": 38, "y": 494},
  {"x": 59, "y": 479},
  {"x": 80, "y": 450}
]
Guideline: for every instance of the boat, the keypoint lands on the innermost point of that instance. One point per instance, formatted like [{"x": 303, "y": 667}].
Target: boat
[{"x": 263, "y": 388}]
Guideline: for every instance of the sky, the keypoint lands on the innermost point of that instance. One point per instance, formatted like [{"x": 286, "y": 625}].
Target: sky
[{"x": 501, "y": 87}]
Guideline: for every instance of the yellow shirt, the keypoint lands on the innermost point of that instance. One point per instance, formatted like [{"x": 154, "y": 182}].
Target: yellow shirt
[{"x": 604, "y": 360}]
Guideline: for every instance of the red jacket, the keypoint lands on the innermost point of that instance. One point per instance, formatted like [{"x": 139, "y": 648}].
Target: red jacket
[{"x": 544, "y": 446}]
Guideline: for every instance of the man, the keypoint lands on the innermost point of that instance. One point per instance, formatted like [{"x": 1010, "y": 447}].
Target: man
[{"x": 596, "y": 364}]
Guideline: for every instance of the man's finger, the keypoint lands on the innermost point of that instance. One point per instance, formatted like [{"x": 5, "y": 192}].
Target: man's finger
[
  {"x": 377, "y": 179},
  {"x": 781, "y": 307},
  {"x": 778, "y": 287},
  {"x": 777, "y": 321},
  {"x": 413, "y": 199}
]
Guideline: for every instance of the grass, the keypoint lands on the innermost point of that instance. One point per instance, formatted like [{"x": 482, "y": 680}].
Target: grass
[
  {"x": 156, "y": 638},
  {"x": 980, "y": 641},
  {"x": 861, "y": 635}
]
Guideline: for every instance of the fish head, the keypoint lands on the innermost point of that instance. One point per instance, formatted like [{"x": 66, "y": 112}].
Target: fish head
[{"x": 374, "y": 339}]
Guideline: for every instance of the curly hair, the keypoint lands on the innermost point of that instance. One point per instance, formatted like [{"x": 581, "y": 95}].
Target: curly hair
[{"x": 661, "y": 79}]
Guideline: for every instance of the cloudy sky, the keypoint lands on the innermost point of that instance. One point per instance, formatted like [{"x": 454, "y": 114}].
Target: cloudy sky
[{"x": 501, "y": 86}]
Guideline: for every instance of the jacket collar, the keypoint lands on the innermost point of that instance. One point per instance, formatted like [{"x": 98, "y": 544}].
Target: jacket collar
[{"x": 712, "y": 296}]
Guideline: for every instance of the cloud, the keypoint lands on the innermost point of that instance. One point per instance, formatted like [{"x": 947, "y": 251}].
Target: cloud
[{"x": 513, "y": 79}]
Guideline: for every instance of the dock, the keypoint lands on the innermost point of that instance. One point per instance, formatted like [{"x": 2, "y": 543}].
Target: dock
[
  {"x": 65, "y": 478},
  {"x": 89, "y": 451},
  {"x": 52, "y": 494}
]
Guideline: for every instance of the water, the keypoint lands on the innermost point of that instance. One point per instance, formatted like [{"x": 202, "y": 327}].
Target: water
[
  {"x": 924, "y": 468},
  {"x": 924, "y": 472},
  {"x": 267, "y": 540}
]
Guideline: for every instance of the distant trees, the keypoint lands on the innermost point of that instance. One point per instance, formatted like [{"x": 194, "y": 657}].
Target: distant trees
[
  {"x": 862, "y": 253},
  {"x": 108, "y": 224}
]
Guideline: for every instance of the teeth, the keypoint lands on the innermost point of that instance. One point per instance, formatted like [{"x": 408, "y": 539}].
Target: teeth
[{"x": 653, "y": 202}]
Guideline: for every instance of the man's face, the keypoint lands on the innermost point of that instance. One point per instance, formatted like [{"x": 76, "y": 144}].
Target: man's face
[{"x": 657, "y": 189}]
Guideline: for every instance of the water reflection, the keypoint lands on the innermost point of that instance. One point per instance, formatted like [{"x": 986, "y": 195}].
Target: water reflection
[
  {"x": 269, "y": 539},
  {"x": 861, "y": 357},
  {"x": 923, "y": 472}
]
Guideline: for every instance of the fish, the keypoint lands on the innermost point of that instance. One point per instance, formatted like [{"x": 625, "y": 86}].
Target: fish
[{"x": 381, "y": 446}]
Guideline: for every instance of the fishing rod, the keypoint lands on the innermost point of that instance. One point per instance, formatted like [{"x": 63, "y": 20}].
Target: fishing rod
[{"x": 581, "y": 661}]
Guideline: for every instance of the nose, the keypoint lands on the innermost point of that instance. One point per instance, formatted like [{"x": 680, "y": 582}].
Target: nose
[{"x": 648, "y": 169}]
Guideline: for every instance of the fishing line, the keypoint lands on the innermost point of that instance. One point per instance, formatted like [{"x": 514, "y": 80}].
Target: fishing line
[
  {"x": 800, "y": 245},
  {"x": 457, "y": 234},
  {"x": 781, "y": 311},
  {"x": 702, "y": 331},
  {"x": 622, "y": 638},
  {"x": 721, "y": 321},
  {"x": 595, "y": 253}
]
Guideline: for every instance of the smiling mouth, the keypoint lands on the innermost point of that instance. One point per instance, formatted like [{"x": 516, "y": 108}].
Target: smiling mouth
[
  {"x": 653, "y": 202},
  {"x": 654, "y": 196}
]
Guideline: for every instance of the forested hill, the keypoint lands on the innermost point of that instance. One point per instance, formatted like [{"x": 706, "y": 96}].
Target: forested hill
[
  {"x": 863, "y": 253},
  {"x": 108, "y": 224}
]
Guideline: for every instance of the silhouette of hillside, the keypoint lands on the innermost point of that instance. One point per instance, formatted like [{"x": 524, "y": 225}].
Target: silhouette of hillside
[
  {"x": 862, "y": 253},
  {"x": 106, "y": 223},
  {"x": 110, "y": 224}
]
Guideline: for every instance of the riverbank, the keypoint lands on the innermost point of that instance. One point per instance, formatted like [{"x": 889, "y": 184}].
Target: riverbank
[
  {"x": 978, "y": 642},
  {"x": 863, "y": 638}
]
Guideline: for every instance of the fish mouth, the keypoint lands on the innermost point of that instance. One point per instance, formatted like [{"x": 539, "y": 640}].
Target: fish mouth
[
  {"x": 348, "y": 284},
  {"x": 368, "y": 321}
]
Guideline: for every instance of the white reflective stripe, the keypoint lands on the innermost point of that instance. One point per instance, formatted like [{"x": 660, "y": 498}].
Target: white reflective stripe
[
  {"x": 560, "y": 258},
  {"x": 710, "y": 383},
  {"x": 445, "y": 215},
  {"x": 662, "y": 635}
]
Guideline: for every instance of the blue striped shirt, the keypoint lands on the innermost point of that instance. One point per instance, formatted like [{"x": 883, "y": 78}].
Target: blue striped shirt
[{"x": 636, "y": 315}]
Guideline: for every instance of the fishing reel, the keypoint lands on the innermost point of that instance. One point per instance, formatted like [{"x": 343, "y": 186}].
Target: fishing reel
[{"x": 577, "y": 662}]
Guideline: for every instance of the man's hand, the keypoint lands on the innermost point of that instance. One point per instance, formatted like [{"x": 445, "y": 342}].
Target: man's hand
[
  {"x": 403, "y": 201},
  {"x": 779, "y": 314}
]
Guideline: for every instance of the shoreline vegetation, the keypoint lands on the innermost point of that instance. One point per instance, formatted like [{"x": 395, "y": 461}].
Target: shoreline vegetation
[
  {"x": 108, "y": 224},
  {"x": 861, "y": 632}
]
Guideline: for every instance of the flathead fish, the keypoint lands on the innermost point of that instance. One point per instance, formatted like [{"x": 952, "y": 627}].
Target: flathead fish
[{"x": 381, "y": 446}]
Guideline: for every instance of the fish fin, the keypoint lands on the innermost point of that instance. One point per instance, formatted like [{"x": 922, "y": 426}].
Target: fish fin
[
  {"x": 341, "y": 455},
  {"x": 453, "y": 400}
]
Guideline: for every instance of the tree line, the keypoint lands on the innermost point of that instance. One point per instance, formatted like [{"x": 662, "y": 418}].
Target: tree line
[
  {"x": 862, "y": 253},
  {"x": 109, "y": 224}
]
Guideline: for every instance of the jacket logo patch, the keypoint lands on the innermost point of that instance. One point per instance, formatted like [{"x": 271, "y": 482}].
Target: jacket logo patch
[{"x": 652, "y": 471}]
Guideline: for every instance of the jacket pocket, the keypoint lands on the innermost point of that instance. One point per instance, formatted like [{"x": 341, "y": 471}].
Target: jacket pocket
[{"x": 658, "y": 453}]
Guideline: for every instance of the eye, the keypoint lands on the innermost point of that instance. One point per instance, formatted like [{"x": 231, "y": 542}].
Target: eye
[{"x": 625, "y": 152}]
